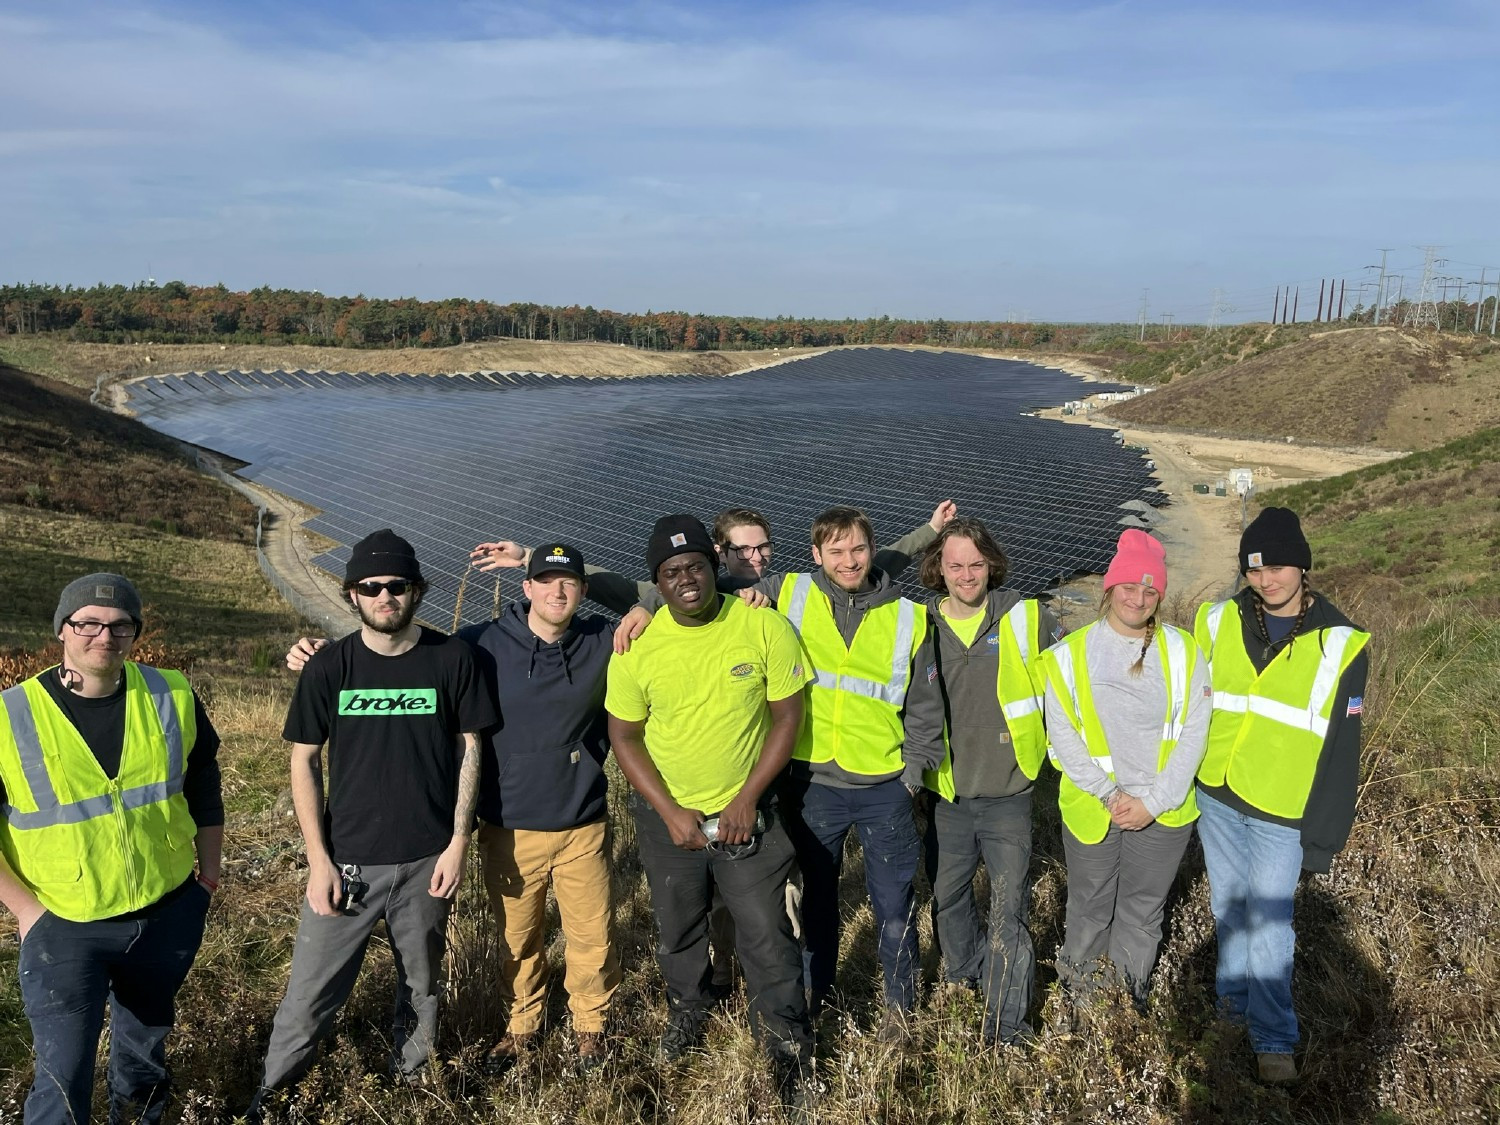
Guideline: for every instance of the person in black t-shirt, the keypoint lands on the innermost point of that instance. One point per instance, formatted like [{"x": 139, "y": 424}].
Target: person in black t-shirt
[{"x": 399, "y": 707}]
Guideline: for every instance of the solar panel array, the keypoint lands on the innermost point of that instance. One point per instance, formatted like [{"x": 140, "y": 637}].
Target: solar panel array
[{"x": 449, "y": 461}]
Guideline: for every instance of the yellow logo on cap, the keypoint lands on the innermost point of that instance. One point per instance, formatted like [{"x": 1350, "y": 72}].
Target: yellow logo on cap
[
  {"x": 1254, "y": 559},
  {"x": 559, "y": 551},
  {"x": 1146, "y": 580}
]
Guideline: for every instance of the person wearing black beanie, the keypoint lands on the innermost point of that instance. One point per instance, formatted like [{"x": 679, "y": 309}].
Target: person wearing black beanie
[
  {"x": 1277, "y": 787},
  {"x": 678, "y": 535},
  {"x": 1274, "y": 538}
]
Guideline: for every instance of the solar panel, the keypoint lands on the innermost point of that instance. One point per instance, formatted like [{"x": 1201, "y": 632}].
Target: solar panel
[{"x": 449, "y": 461}]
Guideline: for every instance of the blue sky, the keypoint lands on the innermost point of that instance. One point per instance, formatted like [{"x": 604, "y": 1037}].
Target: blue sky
[{"x": 818, "y": 159}]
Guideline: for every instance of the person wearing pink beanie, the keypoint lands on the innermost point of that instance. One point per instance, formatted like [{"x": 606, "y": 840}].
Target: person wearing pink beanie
[{"x": 1127, "y": 706}]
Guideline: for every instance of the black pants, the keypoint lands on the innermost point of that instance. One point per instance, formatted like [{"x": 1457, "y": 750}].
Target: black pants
[
  {"x": 754, "y": 889},
  {"x": 70, "y": 970}
]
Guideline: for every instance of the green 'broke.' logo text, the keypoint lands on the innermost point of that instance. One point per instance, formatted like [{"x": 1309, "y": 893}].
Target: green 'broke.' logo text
[{"x": 389, "y": 701}]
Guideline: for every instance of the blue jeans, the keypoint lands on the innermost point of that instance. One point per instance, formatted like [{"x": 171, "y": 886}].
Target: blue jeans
[
  {"x": 819, "y": 818},
  {"x": 70, "y": 970},
  {"x": 998, "y": 956},
  {"x": 1253, "y": 867}
]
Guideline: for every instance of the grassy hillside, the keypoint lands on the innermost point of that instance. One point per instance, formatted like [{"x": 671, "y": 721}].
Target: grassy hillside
[
  {"x": 1425, "y": 525},
  {"x": 81, "y": 364},
  {"x": 1398, "y": 979},
  {"x": 1353, "y": 386}
]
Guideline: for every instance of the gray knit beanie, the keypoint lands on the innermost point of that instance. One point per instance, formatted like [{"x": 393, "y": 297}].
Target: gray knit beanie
[{"x": 113, "y": 591}]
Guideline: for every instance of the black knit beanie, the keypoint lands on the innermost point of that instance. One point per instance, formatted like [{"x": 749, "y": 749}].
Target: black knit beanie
[
  {"x": 678, "y": 535},
  {"x": 380, "y": 553},
  {"x": 1274, "y": 538}
]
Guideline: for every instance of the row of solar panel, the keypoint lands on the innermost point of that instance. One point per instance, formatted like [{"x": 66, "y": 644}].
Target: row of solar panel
[{"x": 449, "y": 461}]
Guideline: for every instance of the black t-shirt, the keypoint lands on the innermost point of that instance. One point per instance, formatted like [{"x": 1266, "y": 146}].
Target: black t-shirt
[
  {"x": 101, "y": 723},
  {"x": 392, "y": 725}
]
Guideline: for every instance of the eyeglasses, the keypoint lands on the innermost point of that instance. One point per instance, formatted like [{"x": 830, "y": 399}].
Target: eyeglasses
[
  {"x": 396, "y": 586},
  {"x": 118, "y": 629},
  {"x": 761, "y": 549}
]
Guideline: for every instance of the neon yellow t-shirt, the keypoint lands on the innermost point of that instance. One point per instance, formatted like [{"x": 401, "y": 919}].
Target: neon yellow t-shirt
[
  {"x": 965, "y": 629},
  {"x": 703, "y": 691}
]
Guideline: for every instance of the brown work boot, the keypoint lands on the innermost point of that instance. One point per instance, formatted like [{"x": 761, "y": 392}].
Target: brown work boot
[
  {"x": 508, "y": 1050},
  {"x": 1276, "y": 1069},
  {"x": 593, "y": 1049}
]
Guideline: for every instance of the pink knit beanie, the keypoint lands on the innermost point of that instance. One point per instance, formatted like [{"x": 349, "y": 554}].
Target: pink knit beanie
[{"x": 1138, "y": 558}]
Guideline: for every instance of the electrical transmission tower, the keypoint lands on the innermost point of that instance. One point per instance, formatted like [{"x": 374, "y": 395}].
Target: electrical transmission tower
[
  {"x": 1141, "y": 318},
  {"x": 1424, "y": 314},
  {"x": 1216, "y": 317}
]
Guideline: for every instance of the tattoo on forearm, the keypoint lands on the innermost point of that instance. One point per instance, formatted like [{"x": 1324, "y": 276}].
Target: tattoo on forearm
[{"x": 468, "y": 787}]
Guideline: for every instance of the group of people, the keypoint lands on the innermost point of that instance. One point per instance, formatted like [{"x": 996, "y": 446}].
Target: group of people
[{"x": 759, "y": 718}]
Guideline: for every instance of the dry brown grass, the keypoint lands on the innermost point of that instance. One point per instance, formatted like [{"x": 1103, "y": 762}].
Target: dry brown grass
[
  {"x": 1376, "y": 386},
  {"x": 83, "y": 364}
]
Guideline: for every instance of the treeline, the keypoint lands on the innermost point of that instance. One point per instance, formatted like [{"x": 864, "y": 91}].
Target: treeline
[{"x": 177, "y": 313}]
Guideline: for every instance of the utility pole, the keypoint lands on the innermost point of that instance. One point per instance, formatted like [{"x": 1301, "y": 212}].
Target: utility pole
[
  {"x": 1322, "y": 282},
  {"x": 1479, "y": 304},
  {"x": 1296, "y": 300},
  {"x": 1276, "y": 305},
  {"x": 1341, "y": 300},
  {"x": 1380, "y": 288},
  {"x": 1166, "y": 319},
  {"x": 1425, "y": 312},
  {"x": 1141, "y": 318}
]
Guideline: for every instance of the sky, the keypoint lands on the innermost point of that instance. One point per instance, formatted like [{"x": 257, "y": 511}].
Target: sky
[{"x": 1044, "y": 160}]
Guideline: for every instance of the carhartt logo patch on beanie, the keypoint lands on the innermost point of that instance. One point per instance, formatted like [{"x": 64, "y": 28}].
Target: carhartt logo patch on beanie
[
  {"x": 1139, "y": 558},
  {"x": 111, "y": 591},
  {"x": 381, "y": 553},
  {"x": 678, "y": 535},
  {"x": 1274, "y": 538}
]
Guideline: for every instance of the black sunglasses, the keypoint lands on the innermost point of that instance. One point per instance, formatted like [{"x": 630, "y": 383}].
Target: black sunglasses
[{"x": 397, "y": 587}]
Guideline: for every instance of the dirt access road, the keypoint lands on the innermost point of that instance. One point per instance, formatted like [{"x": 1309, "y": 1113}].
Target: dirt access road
[{"x": 1202, "y": 533}]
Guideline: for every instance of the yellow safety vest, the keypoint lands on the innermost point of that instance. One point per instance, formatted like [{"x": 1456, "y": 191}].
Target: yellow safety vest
[
  {"x": 1020, "y": 694},
  {"x": 1268, "y": 729},
  {"x": 853, "y": 716},
  {"x": 1066, "y": 670},
  {"x": 86, "y": 845}
]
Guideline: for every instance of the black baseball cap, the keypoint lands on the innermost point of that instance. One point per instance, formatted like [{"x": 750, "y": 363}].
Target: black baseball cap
[{"x": 555, "y": 556}]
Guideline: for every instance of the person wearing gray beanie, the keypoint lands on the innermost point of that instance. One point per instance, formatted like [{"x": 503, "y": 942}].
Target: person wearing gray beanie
[{"x": 113, "y": 763}]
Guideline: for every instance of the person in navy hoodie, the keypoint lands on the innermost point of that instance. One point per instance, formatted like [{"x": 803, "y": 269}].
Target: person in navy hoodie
[{"x": 542, "y": 789}]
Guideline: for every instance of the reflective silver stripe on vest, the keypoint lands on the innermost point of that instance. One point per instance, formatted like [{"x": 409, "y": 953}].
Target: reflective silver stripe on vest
[
  {"x": 29, "y": 747},
  {"x": 1016, "y": 618},
  {"x": 1215, "y": 617},
  {"x": 893, "y": 692},
  {"x": 166, "y": 711},
  {"x": 90, "y": 807},
  {"x": 906, "y": 625},
  {"x": 49, "y": 812},
  {"x": 1325, "y": 683},
  {"x": 798, "y": 607},
  {"x": 1022, "y": 707},
  {"x": 1175, "y": 654}
]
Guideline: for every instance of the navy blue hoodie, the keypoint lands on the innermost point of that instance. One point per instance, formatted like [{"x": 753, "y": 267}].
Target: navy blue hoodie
[{"x": 543, "y": 767}]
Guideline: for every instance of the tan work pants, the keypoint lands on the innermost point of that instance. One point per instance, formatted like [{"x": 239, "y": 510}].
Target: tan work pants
[{"x": 518, "y": 863}]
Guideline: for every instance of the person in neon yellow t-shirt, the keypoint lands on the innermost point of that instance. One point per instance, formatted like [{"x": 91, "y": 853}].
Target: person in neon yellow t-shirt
[{"x": 703, "y": 713}]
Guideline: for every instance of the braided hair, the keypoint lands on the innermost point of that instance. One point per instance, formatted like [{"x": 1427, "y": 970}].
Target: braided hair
[
  {"x": 1140, "y": 661},
  {"x": 1258, "y": 603}
]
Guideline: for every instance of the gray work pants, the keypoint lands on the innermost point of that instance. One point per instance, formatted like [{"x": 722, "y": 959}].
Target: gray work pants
[
  {"x": 998, "y": 957},
  {"x": 327, "y": 958},
  {"x": 1117, "y": 895}
]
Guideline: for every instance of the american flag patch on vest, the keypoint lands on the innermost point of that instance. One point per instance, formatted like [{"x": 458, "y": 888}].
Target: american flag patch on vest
[{"x": 1356, "y": 705}]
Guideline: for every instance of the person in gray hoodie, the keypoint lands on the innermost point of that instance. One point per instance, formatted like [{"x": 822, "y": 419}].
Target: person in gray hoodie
[{"x": 982, "y": 646}]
